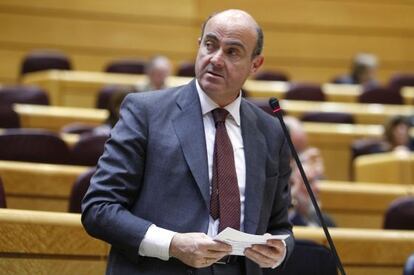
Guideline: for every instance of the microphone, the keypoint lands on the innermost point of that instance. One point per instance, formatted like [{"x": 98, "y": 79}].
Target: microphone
[{"x": 274, "y": 104}]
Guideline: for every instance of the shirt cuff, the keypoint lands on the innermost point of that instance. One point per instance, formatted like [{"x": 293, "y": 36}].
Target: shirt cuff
[
  {"x": 283, "y": 258},
  {"x": 156, "y": 243}
]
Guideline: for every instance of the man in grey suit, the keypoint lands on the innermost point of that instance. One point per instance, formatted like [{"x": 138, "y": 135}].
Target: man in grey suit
[{"x": 151, "y": 195}]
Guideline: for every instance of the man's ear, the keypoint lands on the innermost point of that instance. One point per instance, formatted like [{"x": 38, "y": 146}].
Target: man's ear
[{"x": 257, "y": 63}]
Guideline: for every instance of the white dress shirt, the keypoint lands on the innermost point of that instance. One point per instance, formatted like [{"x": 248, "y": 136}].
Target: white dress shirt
[{"x": 157, "y": 240}]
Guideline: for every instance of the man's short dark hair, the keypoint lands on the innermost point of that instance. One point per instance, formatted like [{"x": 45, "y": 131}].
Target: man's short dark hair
[{"x": 260, "y": 37}]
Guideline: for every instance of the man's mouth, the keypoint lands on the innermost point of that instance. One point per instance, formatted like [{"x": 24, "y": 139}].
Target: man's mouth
[{"x": 215, "y": 74}]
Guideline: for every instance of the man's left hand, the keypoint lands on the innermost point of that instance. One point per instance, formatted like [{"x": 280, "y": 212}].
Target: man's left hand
[{"x": 267, "y": 256}]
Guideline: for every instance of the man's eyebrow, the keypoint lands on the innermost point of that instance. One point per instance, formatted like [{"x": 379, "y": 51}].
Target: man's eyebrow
[
  {"x": 211, "y": 36},
  {"x": 235, "y": 43}
]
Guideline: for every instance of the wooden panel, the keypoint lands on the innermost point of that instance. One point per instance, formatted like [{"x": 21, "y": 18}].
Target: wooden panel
[
  {"x": 324, "y": 14},
  {"x": 394, "y": 167},
  {"x": 96, "y": 35},
  {"x": 96, "y": 9}
]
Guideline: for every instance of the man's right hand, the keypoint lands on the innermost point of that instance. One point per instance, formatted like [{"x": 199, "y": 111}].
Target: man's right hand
[{"x": 197, "y": 249}]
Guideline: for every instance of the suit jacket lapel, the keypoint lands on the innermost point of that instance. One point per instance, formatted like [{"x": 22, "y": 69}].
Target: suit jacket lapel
[
  {"x": 189, "y": 127},
  {"x": 255, "y": 158}
]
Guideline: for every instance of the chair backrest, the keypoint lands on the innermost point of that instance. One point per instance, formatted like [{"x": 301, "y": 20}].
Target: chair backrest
[
  {"x": 88, "y": 149},
  {"x": 33, "y": 145},
  {"x": 400, "y": 214},
  {"x": 398, "y": 81},
  {"x": 79, "y": 188},
  {"x": 23, "y": 94},
  {"x": 2, "y": 195},
  {"x": 41, "y": 60},
  {"x": 381, "y": 95},
  {"x": 8, "y": 117},
  {"x": 311, "y": 92},
  {"x": 307, "y": 258},
  {"x": 126, "y": 66},
  {"x": 409, "y": 266},
  {"x": 366, "y": 146},
  {"x": 271, "y": 76},
  {"x": 186, "y": 69},
  {"x": 329, "y": 117},
  {"x": 107, "y": 92}
]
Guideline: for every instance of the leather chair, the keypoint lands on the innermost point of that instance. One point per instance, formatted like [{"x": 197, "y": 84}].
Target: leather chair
[
  {"x": 2, "y": 196},
  {"x": 40, "y": 60},
  {"x": 329, "y": 117},
  {"x": 398, "y": 81},
  {"x": 8, "y": 117},
  {"x": 77, "y": 128},
  {"x": 400, "y": 214},
  {"x": 105, "y": 94},
  {"x": 88, "y": 149},
  {"x": 186, "y": 69},
  {"x": 79, "y": 188},
  {"x": 126, "y": 66},
  {"x": 23, "y": 94},
  {"x": 33, "y": 145},
  {"x": 271, "y": 76},
  {"x": 309, "y": 92},
  {"x": 409, "y": 266},
  {"x": 307, "y": 258},
  {"x": 381, "y": 96}
]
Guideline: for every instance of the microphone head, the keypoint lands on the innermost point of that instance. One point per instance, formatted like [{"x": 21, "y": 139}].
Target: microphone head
[{"x": 274, "y": 103}]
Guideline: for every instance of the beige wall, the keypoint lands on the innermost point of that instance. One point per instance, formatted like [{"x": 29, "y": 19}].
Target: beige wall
[{"x": 311, "y": 40}]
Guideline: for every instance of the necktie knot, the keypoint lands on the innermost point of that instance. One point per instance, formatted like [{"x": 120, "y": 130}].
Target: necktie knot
[{"x": 219, "y": 115}]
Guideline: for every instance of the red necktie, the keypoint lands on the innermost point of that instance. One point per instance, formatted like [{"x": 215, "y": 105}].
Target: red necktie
[{"x": 225, "y": 195}]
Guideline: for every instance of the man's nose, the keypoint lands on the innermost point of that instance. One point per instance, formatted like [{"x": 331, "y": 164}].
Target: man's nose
[{"x": 217, "y": 58}]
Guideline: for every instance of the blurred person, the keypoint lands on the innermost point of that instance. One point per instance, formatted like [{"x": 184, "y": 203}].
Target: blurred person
[
  {"x": 397, "y": 135},
  {"x": 302, "y": 211},
  {"x": 157, "y": 71},
  {"x": 363, "y": 71}
]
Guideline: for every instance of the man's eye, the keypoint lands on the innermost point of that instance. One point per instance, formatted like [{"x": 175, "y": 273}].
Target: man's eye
[
  {"x": 209, "y": 45},
  {"x": 232, "y": 52}
]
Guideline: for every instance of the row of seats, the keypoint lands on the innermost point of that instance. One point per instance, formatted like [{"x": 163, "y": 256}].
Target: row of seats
[{"x": 36, "y": 145}]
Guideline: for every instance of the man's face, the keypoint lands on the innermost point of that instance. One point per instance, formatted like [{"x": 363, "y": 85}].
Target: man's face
[{"x": 224, "y": 59}]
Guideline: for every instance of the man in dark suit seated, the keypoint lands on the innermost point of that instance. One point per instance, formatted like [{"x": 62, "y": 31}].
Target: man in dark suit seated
[{"x": 185, "y": 163}]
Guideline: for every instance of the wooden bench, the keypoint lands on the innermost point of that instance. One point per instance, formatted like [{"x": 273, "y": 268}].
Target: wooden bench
[
  {"x": 35, "y": 242},
  {"x": 54, "y": 117},
  {"x": 385, "y": 167},
  {"x": 359, "y": 205},
  {"x": 38, "y": 186}
]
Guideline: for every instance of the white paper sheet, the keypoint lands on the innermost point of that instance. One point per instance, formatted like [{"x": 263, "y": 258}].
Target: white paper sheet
[{"x": 240, "y": 240}]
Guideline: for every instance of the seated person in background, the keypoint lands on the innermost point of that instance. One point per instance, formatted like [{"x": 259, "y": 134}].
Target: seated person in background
[
  {"x": 302, "y": 211},
  {"x": 113, "y": 108},
  {"x": 397, "y": 135},
  {"x": 363, "y": 71},
  {"x": 157, "y": 70}
]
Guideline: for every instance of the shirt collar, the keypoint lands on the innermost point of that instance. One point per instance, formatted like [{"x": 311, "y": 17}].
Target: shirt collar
[{"x": 208, "y": 105}]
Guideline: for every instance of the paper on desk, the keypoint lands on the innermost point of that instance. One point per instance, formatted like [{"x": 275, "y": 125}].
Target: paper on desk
[{"x": 240, "y": 240}]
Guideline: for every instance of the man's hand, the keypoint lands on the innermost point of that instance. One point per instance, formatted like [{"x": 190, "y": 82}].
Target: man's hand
[
  {"x": 266, "y": 256},
  {"x": 197, "y": 249}
]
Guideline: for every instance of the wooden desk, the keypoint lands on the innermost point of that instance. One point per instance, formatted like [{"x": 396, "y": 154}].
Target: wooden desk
[
  {"x": 391, "y": 167},
  {"x": 55, "y": 243},
  {"x": 366, "y": 251},
  {"x": 80, "y": 88},
  {"x": 34, "y": 242},
  {"x": 359, "y": 205},
  {"x": 38, "y": 186},
  {"x": 333, "y": 92},
  {"x": 363, "y": 113},
  {"x": 54, "y": 117}
]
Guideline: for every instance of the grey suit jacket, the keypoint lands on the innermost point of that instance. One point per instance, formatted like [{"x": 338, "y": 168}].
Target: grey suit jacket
[{"x": 154, "y": 171}]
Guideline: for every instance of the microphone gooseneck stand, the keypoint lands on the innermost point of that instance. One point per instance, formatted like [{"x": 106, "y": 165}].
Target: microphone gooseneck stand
[{"x": 274, "y": 104}]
